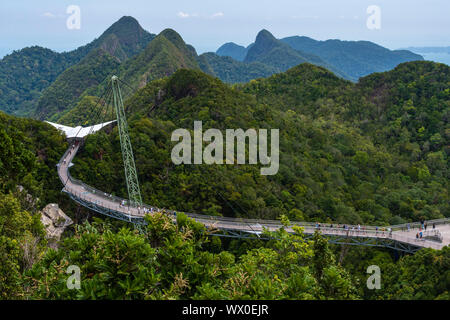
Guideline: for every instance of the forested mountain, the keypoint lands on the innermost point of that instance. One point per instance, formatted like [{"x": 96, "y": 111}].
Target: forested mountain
[
  {"x": 163, "y": 56},
  {"x": 123, "y": 40},
  {"x": 269, "y": 50},
  {"x": 79, "y": 87},
  {"x": 75, "y": 82},
  {"x": 374, "y": 152},
  {"x": 355, "y": 58},
  {"x": 264, "y": 57},
  {"x": 25, "y": 74},
  {"x": 231, "y": 49},
  {"x": 348, "y": 59},
  {"x": 232, "y": 71}
]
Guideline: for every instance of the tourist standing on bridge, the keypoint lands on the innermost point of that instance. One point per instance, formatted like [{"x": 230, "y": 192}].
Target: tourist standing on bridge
[{"x": 434, "y": 225}]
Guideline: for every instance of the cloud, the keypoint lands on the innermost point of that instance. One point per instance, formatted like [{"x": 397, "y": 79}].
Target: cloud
[
  {"x": 49, "y": 15},
  {"x": 217, "y": 14},
  {"x": 183, "y": 14}
]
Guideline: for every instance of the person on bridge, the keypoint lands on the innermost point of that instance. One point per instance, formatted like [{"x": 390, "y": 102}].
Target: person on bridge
[{"x": 434, "y": 225}]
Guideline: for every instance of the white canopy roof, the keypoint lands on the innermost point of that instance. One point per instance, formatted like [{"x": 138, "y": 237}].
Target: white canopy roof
[{"x": 79, "y": 132}]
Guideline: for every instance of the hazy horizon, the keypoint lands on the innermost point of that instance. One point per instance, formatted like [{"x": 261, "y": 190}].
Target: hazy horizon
[{"x": 207, "y": 25}]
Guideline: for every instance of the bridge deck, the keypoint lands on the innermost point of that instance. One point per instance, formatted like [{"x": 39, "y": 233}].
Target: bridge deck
[{"x": 113, "y": 206}]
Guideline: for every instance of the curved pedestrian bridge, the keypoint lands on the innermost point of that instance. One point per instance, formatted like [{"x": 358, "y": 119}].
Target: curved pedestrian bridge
[{"x": 398, "y": 237}]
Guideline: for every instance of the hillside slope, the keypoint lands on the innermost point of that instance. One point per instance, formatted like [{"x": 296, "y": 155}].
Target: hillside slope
[
  {"x": 67, "y": 89},
  {"x": 232, "y": 71},
  {"x": 165, "y": 54}
]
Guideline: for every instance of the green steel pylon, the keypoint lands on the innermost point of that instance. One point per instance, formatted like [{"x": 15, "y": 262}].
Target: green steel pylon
[{"x": 134, "y": 192}]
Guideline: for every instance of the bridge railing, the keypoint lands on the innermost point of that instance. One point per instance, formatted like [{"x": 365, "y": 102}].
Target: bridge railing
[{"x": 417, "y": 225}]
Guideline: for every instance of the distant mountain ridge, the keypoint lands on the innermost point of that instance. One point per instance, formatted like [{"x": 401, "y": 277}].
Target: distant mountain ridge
[
  {"x": 350, "y": 59},
  {"x": 356, "y": 58},
  {"x": 273, "y": 52},
  {"x": 266, "y": 56}
]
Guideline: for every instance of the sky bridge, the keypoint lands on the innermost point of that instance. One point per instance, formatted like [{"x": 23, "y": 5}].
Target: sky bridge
[{"x": 398, "y": 237}]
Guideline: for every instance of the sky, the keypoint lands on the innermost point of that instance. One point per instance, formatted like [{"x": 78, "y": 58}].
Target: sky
[{"x": 207, "y": 24}]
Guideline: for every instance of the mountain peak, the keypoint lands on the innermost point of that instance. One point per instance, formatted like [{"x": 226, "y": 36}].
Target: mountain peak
[
  {"x": 264, "y": 35},
  {"x": 233, "y": 50},
  {"x": 173, "y": 37},
  {"x": 264, "y": 43},
  {"x": 123, "y": 39},
  {"x": 124, "y": 24}
]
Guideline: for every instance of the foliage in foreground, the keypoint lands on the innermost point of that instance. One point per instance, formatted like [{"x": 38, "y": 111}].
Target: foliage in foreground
[{"x": 171, "y": 261}]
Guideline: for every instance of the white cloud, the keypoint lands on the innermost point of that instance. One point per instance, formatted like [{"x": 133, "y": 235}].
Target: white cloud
[
  {"x": 183, "y": 14},
  {"x": 49, "y": 15},
  {"x": 217, "y": 14}
]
